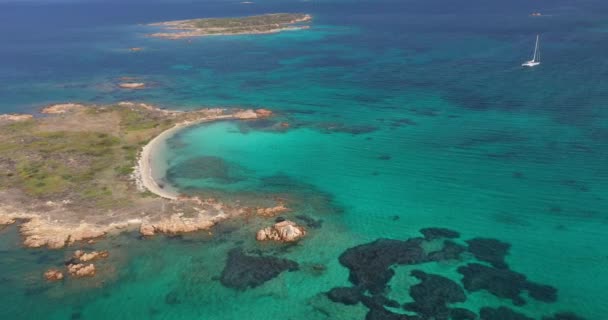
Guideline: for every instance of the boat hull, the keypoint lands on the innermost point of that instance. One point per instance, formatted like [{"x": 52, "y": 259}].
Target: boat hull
[{"x": 530, "y": 64}]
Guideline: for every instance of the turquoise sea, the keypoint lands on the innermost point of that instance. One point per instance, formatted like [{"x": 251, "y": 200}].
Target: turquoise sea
[{"x": 403, "y": 115}]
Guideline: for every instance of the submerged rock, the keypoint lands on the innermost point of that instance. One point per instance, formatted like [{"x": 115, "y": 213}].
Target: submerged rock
[
  {"x": 432, "y": 295},
  {"x": 436, "y": 233},
  {"x": 378, "y": 301},
  {"x": 450, "y": 251},
  {"x": 369, "y": 263},
  {"x": 172, "y": 298},
  {"x": 344, "y": 128},
  {"x": 462, "y": 314},
  {"x": 310, "y": 222},
  {"x": 284, "y": 231},
  {"x": 383, "y": 314},
  {"x": 206, "y": 167},
  {"x": 489, "y": 250},
  {"x": 504, "y": 283},
  {"x": 564, "y": 316},
  {"x": 53, "y": 275},
  {"x": 345, "y": 295},
  {"x": 501, "y": 313},
  {"x": 371, "y": 268},
  {"x": 244, "y": 271}
]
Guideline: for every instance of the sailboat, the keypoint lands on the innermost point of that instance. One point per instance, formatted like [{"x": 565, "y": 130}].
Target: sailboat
[{"x": 536, "y": 58}]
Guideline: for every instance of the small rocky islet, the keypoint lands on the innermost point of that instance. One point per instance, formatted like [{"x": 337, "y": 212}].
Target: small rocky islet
[{"x": 258, "y": 24}]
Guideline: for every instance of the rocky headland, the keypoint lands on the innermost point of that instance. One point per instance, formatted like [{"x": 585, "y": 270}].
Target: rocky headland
[{"x": 81, "y": 171}]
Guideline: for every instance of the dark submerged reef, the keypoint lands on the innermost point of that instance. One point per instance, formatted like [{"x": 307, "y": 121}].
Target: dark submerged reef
[
  {"x": 310, "y": 222},
  {"x": 403, "y": 121},
  {"x": 345, "y": 295},
  {"x": 489, "y": 250},
  {"x": 563, "y": 316},
  {"x": 369, "y": 264},
  {"x": 432, "y": 295},
  {"x": 206, "y": 167},
  {"x": 424, "y": 112},
  {"x": 344, "y": 128},
  {"x": 450, "y": 251},
  {"x": 504, "y": 283},
  {"x": 436, "y": 233},
  {"x": 243, "y": 271},
  {"x": 462, "y": 314},
  {"x": 383, "y": 314},
  {"x": 371, "y": 269},
  {"x": 501, "y": 313}
]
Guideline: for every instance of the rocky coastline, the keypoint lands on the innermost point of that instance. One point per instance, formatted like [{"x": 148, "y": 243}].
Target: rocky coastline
[{"x": 56, "y": 219}]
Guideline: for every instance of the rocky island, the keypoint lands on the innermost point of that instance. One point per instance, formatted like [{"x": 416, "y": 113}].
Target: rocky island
[
  {"x": 260, "y": 24},
  {"x": 78, "y": 172}
]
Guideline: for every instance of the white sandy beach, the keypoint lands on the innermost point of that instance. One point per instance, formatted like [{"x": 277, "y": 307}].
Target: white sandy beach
[{"x": 144, "y": 171}]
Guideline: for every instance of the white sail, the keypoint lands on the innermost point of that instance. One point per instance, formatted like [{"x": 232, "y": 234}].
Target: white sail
[{"x": 536, "y": 56}]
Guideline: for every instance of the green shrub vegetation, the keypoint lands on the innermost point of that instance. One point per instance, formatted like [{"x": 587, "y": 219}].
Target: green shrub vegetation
[{"x": 47, "y": 159}]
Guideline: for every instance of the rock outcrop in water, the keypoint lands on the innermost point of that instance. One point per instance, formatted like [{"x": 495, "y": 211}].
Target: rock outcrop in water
[
  {"x": 147, "y": 230},
  {"x": 80, "y": 270},
  {"x": 53, "y": 275},
  {"x": 90, "y": 256},
  {"x": 244, "y": 271},
  {"x": 253, "y": 114},
  {"x": 284, "y": 231}
]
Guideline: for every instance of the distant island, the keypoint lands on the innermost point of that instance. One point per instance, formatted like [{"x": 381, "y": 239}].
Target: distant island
[
  {"x": 260, "y": 24},
  {"x": 78, "y": 172}
]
